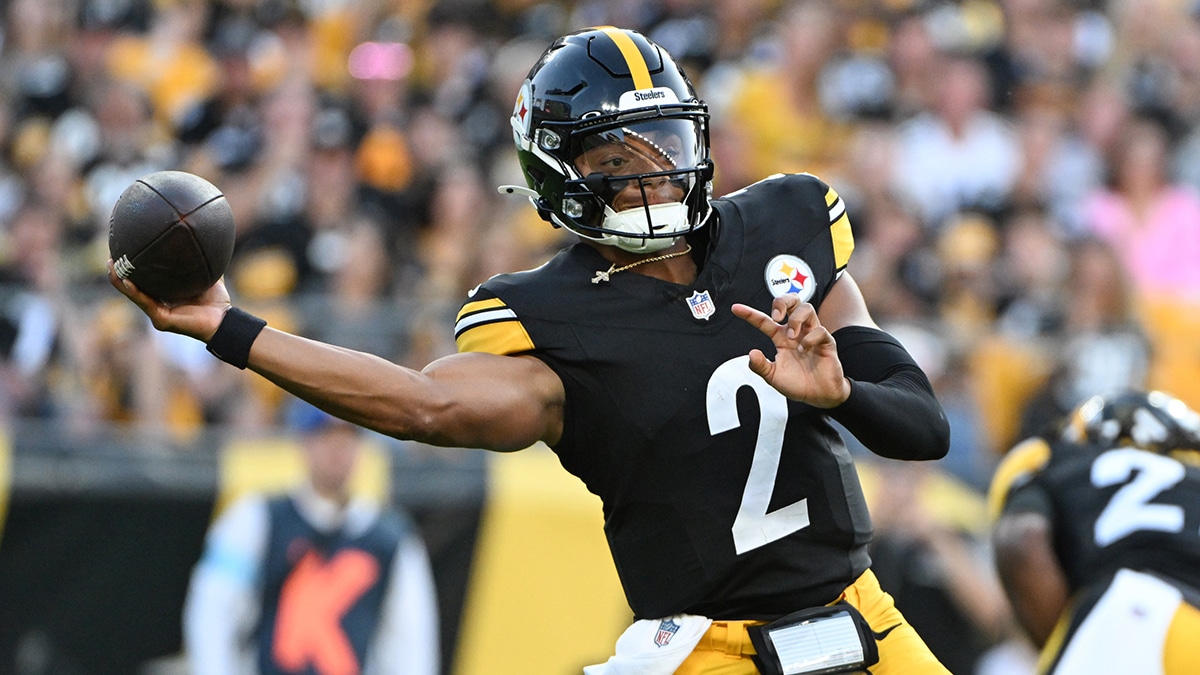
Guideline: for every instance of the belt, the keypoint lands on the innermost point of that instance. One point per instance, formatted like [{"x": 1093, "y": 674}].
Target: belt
[{"x": 729, "y": 637}]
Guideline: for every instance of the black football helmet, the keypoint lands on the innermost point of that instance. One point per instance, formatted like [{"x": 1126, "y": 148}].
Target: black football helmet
[
  {"x": 1146, "y": 420},
  {"x": 613, "y": 141}
]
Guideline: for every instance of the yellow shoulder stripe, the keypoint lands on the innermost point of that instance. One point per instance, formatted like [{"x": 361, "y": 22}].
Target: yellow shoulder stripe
[
  {"x": 1027, "y": 458},
  {"x": 843, "y": 241},
  {"x": 839, "y": 225},
  {"x": 504, "y": 337},
  {"x": 633, "y": 58},
  {"x": 831, "y": 196},
  {"x": 478, "y": 305}
]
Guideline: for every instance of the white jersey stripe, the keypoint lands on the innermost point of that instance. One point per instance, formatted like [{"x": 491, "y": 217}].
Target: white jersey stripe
[
  {"x": 836, "y": 211},
  {"x": 488, "y": 316}
]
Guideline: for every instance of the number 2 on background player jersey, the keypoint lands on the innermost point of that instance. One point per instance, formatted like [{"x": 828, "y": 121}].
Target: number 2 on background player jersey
[{"x": 1130, "y": 508}]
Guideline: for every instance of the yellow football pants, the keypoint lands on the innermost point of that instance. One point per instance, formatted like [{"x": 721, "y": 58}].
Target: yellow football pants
[{"x": 726, "y": 650}]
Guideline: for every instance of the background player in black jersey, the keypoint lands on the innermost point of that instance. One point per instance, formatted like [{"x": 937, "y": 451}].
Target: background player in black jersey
[
  {"x": 1097, "y": 540},
  {"x": 642, "y": 355}
]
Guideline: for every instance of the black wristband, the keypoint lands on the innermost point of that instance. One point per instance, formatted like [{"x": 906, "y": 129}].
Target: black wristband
[{"x": 237, "y": 332}]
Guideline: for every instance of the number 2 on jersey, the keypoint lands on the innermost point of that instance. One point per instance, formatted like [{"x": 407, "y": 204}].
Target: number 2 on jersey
[
  {"x": 754, "y": 527},
  {"x": 1130, "y": 509}
]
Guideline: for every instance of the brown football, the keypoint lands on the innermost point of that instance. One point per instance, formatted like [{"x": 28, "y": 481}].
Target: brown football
[{"x": 172, "y": 234}]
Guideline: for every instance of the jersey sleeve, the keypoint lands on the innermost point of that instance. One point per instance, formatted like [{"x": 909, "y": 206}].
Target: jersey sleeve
[
  {"x": 1012, "y": 487},
  {"x": 815, "y": 211},
  {"x": 487, "y": 324}
]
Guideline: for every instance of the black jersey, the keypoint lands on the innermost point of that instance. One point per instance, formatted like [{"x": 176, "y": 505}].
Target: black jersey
[
  {"x": 1110, "y": 508},
  {"x": 721, "y": 497}
]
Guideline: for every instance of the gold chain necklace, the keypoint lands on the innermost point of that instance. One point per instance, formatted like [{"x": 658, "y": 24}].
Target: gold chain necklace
[{"x": 613, "y": 269}]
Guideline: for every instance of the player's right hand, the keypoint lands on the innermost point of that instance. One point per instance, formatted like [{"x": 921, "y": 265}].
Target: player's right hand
[
  {"x": 806, "y": 367},
  {"x": 198, "y": 317}
]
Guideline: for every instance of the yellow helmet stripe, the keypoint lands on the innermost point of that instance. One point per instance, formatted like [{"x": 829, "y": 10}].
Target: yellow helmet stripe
[{"x": 633, "y": 58}]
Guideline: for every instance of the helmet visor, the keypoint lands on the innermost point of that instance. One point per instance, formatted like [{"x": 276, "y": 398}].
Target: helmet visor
[{"x": 656, "y": 158}]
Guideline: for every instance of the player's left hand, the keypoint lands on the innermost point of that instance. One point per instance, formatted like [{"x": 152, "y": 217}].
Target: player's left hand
[{"x": 806, "y": 366}]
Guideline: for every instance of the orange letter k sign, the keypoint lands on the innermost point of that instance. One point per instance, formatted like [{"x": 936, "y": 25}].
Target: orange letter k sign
[{"x": 314, "y": 598}]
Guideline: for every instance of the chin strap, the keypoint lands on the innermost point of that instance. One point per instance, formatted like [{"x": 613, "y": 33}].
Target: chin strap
[{"x": 543, "y": 209}]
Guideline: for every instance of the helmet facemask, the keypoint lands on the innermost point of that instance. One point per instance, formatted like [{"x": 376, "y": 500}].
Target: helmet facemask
[{"x": 638, "y": 185}]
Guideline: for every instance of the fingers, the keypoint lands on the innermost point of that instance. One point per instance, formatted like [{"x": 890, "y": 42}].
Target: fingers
[
  {"x": 117, "y": 282},
  {"x": 761, "y": 321},
  {"x": 799, "y": 318},
  {"x": 760, "y": 365},
  {"x": 814, "y": 336},
  {"x": 126, "y": 287},
  {"x": 786, "y": 306}
]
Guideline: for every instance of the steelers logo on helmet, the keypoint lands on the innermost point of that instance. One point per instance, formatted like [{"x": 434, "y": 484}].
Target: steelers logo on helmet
[
  {"x": 521, "y": 113},
  {"x": 789, "y": 274}
]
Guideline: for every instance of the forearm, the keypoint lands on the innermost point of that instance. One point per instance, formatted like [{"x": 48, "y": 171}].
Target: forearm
[
  {"x": 892, "y": 409},
  {"x": 359, "y": 387},
  {"x": 464, "y": 400},
  {"x": 1028, "y": 568}
]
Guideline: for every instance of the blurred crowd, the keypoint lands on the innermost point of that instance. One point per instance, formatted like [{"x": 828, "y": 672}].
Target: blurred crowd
[{"x": 1023, "y": 178}]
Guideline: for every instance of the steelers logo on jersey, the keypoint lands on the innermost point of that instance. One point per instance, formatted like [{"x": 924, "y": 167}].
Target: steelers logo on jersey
[{"x": 789, "y": 274}]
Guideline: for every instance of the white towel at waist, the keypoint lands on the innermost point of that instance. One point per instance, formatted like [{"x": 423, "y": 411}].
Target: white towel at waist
[{"x": 654, "y": 646}]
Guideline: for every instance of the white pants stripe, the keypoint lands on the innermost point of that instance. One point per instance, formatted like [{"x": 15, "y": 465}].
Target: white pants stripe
[{"x": 1126, "y": 630}]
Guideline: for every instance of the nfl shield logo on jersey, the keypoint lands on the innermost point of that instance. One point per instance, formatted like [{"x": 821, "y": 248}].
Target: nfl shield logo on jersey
[
  {"x": 789, "y": 274},
  {"x": 666, "y": 630},
  {"x": 701, "y": 305}
]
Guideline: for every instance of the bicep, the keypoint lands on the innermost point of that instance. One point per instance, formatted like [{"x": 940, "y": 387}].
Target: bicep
[
  {"x": 497, "y": 402},
  {"x": 844, "y": 306}
]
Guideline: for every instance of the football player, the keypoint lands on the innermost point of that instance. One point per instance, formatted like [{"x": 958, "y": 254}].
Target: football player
[
  {"x": 1097, "y": 540},
  {"x": 684, "y": 359}
]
